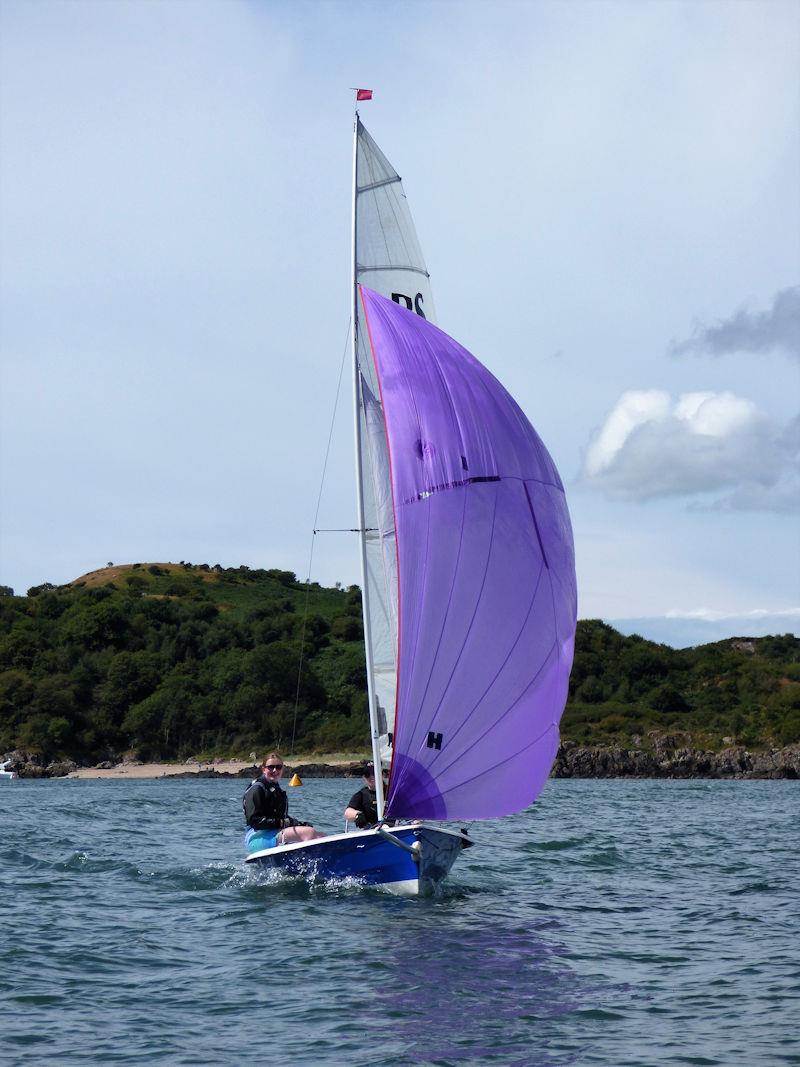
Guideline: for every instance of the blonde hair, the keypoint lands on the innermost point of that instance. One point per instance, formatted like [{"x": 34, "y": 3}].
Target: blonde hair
[{"x": 269, "y": 756}]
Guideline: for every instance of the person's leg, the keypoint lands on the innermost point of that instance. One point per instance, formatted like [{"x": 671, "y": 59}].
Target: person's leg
[
  {"x": 256, "y": 840},
  {"x": 293, "y": 834}
]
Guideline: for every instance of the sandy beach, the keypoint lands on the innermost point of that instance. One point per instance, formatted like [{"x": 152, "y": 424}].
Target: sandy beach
[
  {"x": 158, "y": 770},
  {"x": 162, "y": 770}
]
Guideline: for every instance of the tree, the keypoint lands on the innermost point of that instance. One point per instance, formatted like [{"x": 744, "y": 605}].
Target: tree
[
  {"x": 667, "y": 698},
  {"x": 131, "y": 677},
  {"x": 45, "y": 587}
]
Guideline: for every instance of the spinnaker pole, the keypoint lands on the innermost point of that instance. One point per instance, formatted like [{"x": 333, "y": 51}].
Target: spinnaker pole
[{"x": 362, "y": 533}]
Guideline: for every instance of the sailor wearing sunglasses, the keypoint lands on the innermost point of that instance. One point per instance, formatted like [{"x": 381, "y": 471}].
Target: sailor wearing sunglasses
[{"x": 266, "y": 811}]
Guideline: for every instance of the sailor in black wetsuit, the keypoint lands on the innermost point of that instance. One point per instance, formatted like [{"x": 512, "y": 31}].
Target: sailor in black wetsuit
[
  {"x": 363, "y": 806},
  {"x": 266, "y": 811}
]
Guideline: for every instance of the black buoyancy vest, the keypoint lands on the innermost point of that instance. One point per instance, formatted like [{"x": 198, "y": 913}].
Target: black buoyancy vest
[
  {"x": 265, "y": 805},
  {"x": 366, "y": 802}
]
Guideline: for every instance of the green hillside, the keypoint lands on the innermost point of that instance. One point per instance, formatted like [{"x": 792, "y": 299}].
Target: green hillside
[
  {"x": 744, "y": 689},
  {"x": 171, "y": 660}
]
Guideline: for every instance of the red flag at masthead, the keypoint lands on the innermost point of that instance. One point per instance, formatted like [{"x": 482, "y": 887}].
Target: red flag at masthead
[{"x": 363, "y": 94}]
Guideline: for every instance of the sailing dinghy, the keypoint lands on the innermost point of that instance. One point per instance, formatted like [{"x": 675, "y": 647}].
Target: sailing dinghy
[{"x": 468, "y": 571}]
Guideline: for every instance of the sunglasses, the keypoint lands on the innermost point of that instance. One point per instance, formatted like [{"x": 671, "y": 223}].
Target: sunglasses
[{"x": 274, "y": 767}]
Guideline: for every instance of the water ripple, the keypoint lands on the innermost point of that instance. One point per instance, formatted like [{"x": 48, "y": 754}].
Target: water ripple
[{"x": 616, "y": 923}]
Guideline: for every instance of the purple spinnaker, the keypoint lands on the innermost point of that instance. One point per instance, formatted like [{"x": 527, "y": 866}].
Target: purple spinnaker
[{"x": 487, "y": 590}]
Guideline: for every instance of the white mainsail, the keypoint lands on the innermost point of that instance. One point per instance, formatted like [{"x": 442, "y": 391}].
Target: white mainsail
[{"x": 388, "y": 259}]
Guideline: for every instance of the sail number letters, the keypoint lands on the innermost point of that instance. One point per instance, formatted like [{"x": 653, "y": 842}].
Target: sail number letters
[{"x": 412, "y": 305}]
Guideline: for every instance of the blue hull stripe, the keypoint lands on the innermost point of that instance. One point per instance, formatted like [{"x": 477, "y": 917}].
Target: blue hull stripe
[{"x": 368, "y": 857}]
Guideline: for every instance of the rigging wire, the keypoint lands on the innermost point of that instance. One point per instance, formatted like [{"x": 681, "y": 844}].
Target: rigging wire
[{"x": 315, "y": 531}]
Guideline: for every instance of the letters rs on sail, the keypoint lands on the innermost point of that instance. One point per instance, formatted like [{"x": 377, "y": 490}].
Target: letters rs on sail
[{"x": 406, "y": 301}]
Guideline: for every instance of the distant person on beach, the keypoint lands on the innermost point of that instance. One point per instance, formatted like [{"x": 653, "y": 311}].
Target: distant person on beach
[
  {"x": 363, "y": 806},
  {"x": 266, "y": 811}
]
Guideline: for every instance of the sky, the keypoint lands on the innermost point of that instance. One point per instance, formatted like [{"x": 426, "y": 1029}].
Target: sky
[{"x": 607, "y": 198}]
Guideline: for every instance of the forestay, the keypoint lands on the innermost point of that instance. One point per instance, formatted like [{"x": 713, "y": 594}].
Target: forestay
[
  {"x": 389, "y": 260},
  {"x": 486, "y": 580}
]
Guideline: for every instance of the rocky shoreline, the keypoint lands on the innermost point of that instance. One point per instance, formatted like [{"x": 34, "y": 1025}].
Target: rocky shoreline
[
  {"x": 304, "y": 770},
  {"x": 667, "y": 757}
]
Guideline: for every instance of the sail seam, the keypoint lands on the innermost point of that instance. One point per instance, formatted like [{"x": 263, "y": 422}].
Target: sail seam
[
  {"x": 421, "y": 701},
  {"x": 377, "y": 185},
  {"x": 393, "y": 266},
  {"x": 499, "y": 670},
  {"x": 466, "y": 635},
  {"x": 500, "y": 763},
  {"x": 413, "y": 659},
  {"x": 436, "y": 368},
  {"x": 423, "y": 494},
  {"x": 399, "y": 229},
  {"x": 499, "y": 719},
  {"x": 536, "y": 527},
  {"x": 370, "y": 161}
]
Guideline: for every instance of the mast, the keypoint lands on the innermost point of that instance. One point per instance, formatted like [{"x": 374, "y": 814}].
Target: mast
[{"x": 362, "y": 533}]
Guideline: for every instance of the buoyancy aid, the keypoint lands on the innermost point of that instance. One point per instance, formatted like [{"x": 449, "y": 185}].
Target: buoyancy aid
[
  {"x": 366, "y": 804},
  {"x": 265, "y": 805}
]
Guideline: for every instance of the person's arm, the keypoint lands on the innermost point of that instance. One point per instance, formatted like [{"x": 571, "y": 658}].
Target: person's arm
[
  {"x": 265, "y": 822},
  {"x": 354, "y": 809}
]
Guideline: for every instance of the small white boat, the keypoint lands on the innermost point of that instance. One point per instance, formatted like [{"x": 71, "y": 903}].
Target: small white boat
[
  {"x": 469, "y": 593},
  {"x": 4, "y": 772}
]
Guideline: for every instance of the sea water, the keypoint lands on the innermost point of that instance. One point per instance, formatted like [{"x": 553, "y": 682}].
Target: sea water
[{"x": 614, "y": 923}]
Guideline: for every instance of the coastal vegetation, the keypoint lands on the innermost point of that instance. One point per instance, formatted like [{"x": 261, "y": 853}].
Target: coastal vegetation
[{"x": 171, "y": 660}]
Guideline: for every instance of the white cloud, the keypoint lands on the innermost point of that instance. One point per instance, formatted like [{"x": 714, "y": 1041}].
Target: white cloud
[
  {"x": 650, "y": 446},
  {"x": 634, "y": 409},
  {"x": 712, "y": 615},
  {"x": 714, "y": 414}
]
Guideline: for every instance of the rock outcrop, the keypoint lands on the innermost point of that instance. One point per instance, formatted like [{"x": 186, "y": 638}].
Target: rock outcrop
[
  {"x": 669, "y": 759},
  {"x": 60, "y": 768},
  {"x": 305, "y": 770},
  {"x": 25, "y": 764}
]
